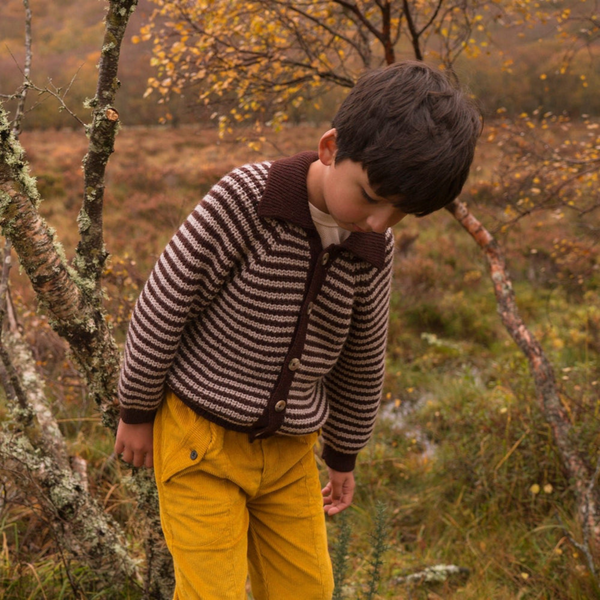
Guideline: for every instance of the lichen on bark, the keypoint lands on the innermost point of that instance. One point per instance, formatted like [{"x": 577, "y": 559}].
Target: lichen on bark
[{"x": 39, "y": 452}]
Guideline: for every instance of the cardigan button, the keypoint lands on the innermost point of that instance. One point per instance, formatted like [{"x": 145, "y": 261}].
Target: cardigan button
[
  {"x": 193, "y": 455},
  {"x": 294, "y": 364},
  {"x": 280, "y": 406},
  {"x": 309, "y": 308},
  {"x": 325, "y": 258}
]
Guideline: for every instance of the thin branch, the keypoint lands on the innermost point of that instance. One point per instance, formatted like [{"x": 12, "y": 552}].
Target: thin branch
[
  {"x": 16, "y": 129},
  {"x": 91, "y": 254},
  {"x": 319, "y": 23},
  {"x": 56, "y": 94},
  {"x": 386, "y": 33},
  {"x": 414, "y": 34},
  {"x": 433, "y": 17},
  {"x": 355, "y": 10}
]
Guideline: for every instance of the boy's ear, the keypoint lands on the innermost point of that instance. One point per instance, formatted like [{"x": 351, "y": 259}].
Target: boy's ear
[{"x": 327, "y": 147}]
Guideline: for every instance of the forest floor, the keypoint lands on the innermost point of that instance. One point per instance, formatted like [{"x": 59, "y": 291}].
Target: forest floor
[{"x": 462, "y": 462}]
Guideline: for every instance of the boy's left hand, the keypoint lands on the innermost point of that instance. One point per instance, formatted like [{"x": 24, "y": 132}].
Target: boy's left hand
[{"x": 338, "y": 493}]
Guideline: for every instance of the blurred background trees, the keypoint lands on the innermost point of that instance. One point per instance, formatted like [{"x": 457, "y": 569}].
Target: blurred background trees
[
  {"x": 512, "y": 54},
  {"x": 272, "y": 60}
]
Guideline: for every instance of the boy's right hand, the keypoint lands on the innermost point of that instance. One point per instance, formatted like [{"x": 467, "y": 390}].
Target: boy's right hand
[{"x": 134, "y": 443}]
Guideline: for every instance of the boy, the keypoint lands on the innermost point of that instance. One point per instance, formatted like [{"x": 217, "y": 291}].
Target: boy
[{"x": 264, "y": 322}]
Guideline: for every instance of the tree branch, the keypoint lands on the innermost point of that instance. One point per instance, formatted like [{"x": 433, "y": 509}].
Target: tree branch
[
  {"x": 433, "y": 17},
  {"x": 386, "y": 33},
  {"x": 26, "y": 72},
  {"x": 587, "y": 496},
  {"x": 91, "y": 254},
  {"x": 72, "y": 315},
  {"x": 355, "y": 10},
  {"x": 319, "y": 23},
  {"x": 414, "y": 34},
  {"x": 56, "y": 94}
]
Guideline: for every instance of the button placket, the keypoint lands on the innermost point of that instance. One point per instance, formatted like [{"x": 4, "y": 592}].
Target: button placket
[{"x": 274, "y": 414}]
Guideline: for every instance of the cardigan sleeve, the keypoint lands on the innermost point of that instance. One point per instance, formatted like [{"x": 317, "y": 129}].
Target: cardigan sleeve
[
  {"x": 186, "y": 278},
  {"x": 355, "y": 384}
]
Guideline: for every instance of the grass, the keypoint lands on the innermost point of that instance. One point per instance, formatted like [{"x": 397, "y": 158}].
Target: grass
[{"x": 465, "y": 465}]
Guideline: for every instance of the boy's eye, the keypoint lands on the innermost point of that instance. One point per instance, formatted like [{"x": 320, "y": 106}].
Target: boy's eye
[{"x": 367, "y": 197}]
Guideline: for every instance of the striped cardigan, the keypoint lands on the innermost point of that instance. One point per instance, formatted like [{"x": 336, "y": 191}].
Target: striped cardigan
[{"x": 257, "y": 327}]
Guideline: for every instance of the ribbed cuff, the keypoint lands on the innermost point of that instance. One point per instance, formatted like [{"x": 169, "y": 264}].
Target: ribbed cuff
[
  {"x": 338, "y": 461},
  {"x": 133, "y": 416}
]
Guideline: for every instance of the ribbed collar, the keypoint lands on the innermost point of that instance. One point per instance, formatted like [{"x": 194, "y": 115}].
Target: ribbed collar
[{"x": 286, "y": 197}]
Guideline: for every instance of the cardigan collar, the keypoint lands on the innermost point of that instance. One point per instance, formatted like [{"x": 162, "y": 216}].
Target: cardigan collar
[{"x": 286, "y": 197}]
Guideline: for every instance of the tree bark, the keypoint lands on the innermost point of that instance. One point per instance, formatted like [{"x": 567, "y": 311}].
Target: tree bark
[
  {"x": 72, "y": 299},
  {"x": 37, "y": 454},
  {"x": 580, "y": 473},
  {"x": 91, "y": 254},
  {"x": 60, "y": 292}
]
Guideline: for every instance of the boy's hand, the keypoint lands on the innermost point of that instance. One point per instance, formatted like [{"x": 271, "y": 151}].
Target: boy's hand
[
  {"x": 134, "y": 443},
  {"x": 338, "y": 493}
]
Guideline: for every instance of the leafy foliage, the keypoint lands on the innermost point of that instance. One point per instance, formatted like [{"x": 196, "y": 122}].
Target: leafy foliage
[
  {"x": 262, "y": 59},
  {"x": 259, "y": 61}
]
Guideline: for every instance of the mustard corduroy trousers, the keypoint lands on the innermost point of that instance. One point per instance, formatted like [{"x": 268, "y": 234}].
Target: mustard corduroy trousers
[{"x": 229, "y": 507}]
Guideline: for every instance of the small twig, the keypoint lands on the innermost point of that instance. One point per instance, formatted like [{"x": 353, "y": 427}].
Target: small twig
[
  {"x": 63, "y": 558},
  {"x": 15, "y": 60},
  {"x": 56, "y": 94},
  {"x": 28, "y": 84}
]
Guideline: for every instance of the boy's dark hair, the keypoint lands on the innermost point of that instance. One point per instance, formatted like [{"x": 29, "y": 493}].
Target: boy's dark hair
[{"x": 413, "y": 130}]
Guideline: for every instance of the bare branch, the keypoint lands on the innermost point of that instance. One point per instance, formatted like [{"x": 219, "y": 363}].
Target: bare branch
[
  {"x": 353, "y": 8},
  {"x": 56, "y": 94},
  {"x": 72, "y": 314},
  {"x": 414, "y": 34},
  {"x": 433, "y": 17},
  {"x": 386, "y": 33},
  {"x": 26, "y": 72},
  {"x": 319, "y": 23}
]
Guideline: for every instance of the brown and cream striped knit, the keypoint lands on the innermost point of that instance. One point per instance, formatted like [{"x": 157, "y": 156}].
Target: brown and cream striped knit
[{"x": 258, "y": 328}]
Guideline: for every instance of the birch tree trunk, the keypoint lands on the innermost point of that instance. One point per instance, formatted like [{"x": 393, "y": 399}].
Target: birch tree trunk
[{"x": 71, "y": 296}]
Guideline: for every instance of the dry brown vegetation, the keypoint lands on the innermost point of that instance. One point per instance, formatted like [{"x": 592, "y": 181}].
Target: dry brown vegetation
[{"x": 491, "y": 496}]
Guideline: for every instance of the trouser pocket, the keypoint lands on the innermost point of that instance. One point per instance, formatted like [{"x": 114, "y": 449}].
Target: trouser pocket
[{"x": 181, "y": 438}]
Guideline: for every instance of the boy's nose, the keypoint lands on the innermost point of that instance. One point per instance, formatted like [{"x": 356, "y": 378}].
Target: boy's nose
[{"x": 385, "y": 218}]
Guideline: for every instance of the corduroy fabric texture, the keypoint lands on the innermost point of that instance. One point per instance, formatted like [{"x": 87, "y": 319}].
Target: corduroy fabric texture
[
  {"x": 259, "y": 328},
  {"x": 225, "y": 502}
]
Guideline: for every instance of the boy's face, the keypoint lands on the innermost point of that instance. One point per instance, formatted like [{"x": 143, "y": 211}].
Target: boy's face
[{"x": 343, "y": 191}]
